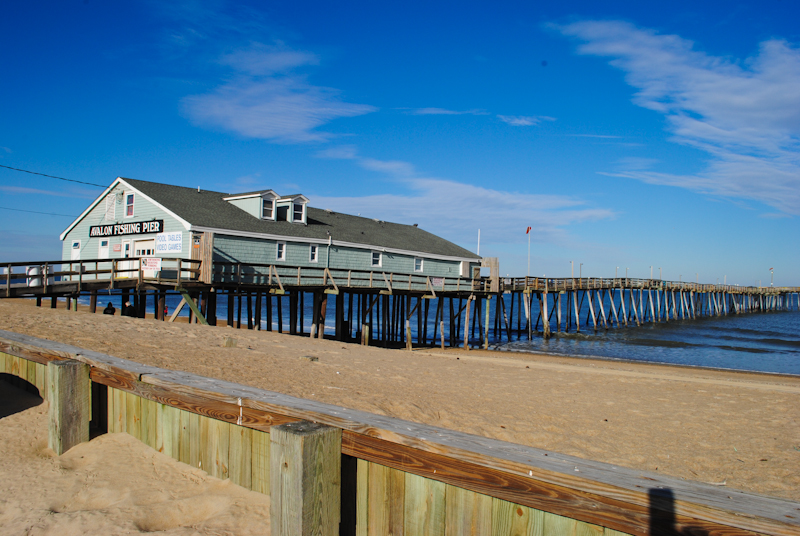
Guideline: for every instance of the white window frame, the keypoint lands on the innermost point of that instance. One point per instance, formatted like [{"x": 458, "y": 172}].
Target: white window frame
[
  {"x": 132, "y": 205},
  {"x": 274, "y": 208},
  {"x": 280, "y": 251},
  {"x": 302, "y": 212},
  {"x": 313, "y": 253},
  {"x": 421, "y": 264},
  {"x": 380, "y": 259}
]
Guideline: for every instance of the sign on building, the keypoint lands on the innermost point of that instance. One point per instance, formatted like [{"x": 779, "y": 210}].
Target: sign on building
[
  {"x": 151, "y": 264},
  {"x": 125, "y": 229},
  {"x": 169, "y": 243}
]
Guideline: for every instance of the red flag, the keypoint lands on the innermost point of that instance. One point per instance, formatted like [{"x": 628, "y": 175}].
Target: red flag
[{"x": 528, "y": 231}]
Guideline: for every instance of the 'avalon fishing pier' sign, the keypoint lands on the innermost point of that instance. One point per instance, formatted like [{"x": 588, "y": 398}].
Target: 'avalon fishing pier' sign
[{"x": 124, "y": 229}]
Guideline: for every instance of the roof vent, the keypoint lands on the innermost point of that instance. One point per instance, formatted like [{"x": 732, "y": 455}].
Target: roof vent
[
  {"x": 376, "y": 220},
  {"x": 329, "y": 211},
  {"x": 416, "y": 225}
]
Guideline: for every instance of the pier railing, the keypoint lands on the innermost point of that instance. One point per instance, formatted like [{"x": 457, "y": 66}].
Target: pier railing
[
  {"x": 176, "y": 271},
  {"x": 303, "y": 276},
  {"x": 548, "y": 284},
  {"x": 38, "y": 274}
]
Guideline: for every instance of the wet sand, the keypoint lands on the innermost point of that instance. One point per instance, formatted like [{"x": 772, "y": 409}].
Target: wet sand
[{"x": 740, "y": 430}]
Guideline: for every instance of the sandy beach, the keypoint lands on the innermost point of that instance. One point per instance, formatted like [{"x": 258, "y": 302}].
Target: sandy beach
[
  {"x": 734, "y": 429},
  {"x": 113, "y": 484}
]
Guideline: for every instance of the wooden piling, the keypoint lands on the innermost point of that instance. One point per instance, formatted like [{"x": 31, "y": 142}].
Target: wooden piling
[
  {"x": 69, "y": 392},
  {"x": 305, "y": 479}
]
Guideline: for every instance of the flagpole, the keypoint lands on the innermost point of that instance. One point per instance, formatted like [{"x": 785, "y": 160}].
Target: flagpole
[{"x": 529, "y": 253}]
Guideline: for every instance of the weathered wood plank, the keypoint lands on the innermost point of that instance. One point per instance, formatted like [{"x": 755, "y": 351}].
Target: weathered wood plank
[
  {"x": 467, "y": 513},
  {"x": 424, "y": 506},
  {"x": 133, "y": 415},
  {"x": 509, "y": 519},
  {"x": 41, "y": 380},
  {"x": 209, "y": 407},
  {"x": 564, "y": 526},
  {"x": 386, "y": 499},
  {"x": 362, "y": 498},
  {"x": 259, "y": 476},
  {"x": 240, "y": 455}
]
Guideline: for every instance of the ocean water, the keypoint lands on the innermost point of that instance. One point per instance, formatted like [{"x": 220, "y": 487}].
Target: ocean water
[{"x": 764, "y": 342}]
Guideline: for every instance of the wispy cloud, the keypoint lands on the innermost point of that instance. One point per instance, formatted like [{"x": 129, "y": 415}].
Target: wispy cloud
[
  {"x": 266, "y": 98},
  {"x": 523, "y": 120},
  {"x": 744, "y": 113},
  {"x": 443, "y": 111},
  {"x": 77, "y": 193},
  {"x": 603, "y": 136},
  {"x": 454, "y": 210}
]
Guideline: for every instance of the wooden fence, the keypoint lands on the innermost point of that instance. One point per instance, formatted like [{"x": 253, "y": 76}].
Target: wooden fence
[{"x": 397, "y": 477}]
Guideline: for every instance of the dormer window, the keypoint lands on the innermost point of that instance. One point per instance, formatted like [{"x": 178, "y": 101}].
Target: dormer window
[
  {"x": 268, "y": 208},
  {"x": 298, "y": 210}
]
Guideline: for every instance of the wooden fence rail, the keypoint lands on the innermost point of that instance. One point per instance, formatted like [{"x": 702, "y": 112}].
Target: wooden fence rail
[{"x": 398, "y": 476}]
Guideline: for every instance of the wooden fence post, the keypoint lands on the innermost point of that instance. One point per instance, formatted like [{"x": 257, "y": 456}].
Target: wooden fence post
[
  {"x": 69, "y": 391},
  {"x": 305, "y": 479}
]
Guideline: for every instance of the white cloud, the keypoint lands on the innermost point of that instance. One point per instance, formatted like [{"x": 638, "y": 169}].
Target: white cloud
[
  {"x": 523, "y": 120},
  {"x": 443, "y": 111},
  {"x": 267, "y": 100},
  {"x": 744, "y": 114},
  {"x": 262, "y": 59},
  {"x": 456, "y": 210},
  {"x": 75, "y": 192}
]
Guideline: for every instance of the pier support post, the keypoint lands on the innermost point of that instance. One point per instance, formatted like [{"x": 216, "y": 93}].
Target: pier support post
[
  {"x": 305, "y": 479},
  {"x": 69, "y": 392}
]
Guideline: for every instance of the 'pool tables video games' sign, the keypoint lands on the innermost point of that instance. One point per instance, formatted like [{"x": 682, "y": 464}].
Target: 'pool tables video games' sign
[{"x": 125, "y": 229}]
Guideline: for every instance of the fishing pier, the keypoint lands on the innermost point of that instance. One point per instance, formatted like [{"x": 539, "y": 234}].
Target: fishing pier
[{"x": 384, "y": 308}]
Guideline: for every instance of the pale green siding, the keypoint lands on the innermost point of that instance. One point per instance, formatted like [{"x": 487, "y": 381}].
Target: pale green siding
[
  {"x": 254, "y": 250},
  {"x": 143, "y": 211},
  {"x": 251, "y": 205}
]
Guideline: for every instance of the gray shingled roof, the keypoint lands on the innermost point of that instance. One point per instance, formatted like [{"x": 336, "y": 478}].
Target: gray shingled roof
[{"x": 209, "y": 209}]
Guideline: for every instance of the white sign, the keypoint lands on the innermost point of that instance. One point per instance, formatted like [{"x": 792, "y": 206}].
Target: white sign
[
  {"x": 437, "y": 282},
  {"x": 152, "y": 264},
  {"x": 169, "y": 243}
]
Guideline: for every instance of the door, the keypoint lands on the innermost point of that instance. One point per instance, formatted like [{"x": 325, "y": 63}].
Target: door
[
  {"x": 124, "y": 268},
  {"x": 102, "y": 250},
  {"x": 145, "y": 248},
  {"x": 75, "y": 254}
]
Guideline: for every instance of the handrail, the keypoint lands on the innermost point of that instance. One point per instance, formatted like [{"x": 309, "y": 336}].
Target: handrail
[{"x": 85, "y": 270}]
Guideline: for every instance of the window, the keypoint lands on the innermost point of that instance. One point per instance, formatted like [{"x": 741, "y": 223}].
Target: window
[
  {"x": 129, "y": 206},
  {"x": 377, "y": 258},
  {"x": 268, "y": 208},
  {"x": 297, "y": 212},
  {"x": 281, "y": 252},
  {"x": 417, "y": 264},
  {"x": 312, "y": 254}
]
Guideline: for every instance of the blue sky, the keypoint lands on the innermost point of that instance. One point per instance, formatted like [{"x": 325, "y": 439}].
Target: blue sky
[{"x": 625, "y": 135}]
